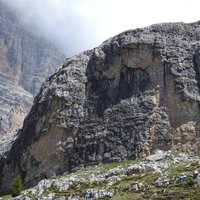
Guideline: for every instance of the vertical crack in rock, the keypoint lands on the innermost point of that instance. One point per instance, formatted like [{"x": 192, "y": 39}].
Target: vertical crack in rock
[
  {"x": 196, "y": 62},
  {"x": 132, "y": 82}
]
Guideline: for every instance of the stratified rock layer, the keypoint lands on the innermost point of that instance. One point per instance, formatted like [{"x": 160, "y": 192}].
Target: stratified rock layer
[
  {"x": 137, "y": 92},
  {"x": 26, "y": 60},
  {"x": 15, "y": 103}
]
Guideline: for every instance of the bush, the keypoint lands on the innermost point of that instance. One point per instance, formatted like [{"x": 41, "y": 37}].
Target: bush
[
  {"x": 17, "y": 186},
  {"x": 190, "y": 181}
]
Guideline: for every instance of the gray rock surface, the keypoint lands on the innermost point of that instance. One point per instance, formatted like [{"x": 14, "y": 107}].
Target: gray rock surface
[
  {"x": 15, "y": 103},
  {"x": 26, "y": 60},
  {"x": 137, "y": 92},
  {"x": 136, "y": 186},
  {"x": 94, "y": 194},
  {"x": 162, "y": 181},
  {"x": 181, "y": 179}
]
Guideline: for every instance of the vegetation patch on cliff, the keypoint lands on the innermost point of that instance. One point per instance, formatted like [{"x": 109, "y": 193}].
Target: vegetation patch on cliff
[{"x": 163, "y": 175}]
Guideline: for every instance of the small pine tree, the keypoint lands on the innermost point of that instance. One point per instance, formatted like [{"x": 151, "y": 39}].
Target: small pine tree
[
  {"x": 190, "y": 181},
  {"x": 17, "y": 186}
]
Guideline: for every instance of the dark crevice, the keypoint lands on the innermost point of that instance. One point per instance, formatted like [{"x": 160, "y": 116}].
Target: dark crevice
[
  {"x": 103, "y": 92},
  {"x": 196, "y": 63},
  {"x": 132, "y": 82},
  {"x": 165, "y": 70}
]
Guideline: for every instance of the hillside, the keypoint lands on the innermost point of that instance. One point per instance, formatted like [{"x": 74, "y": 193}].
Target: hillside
[{"x": 162, "y": 175}]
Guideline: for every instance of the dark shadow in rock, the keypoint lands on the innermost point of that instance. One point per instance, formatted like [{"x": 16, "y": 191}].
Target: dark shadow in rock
[{"x": 104, "y": 92}]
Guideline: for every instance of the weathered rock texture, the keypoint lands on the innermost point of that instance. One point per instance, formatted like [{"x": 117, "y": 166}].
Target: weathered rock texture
[
  {"x": 137, "y": 92},
  {"x": 26, "y": 59},
  {"x": 15, "y": 103}
]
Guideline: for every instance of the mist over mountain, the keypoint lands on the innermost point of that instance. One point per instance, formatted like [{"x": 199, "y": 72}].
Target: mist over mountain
[
  {"x": 76, "y": 25},
  {"x": 70, "y": 25},
  {"x": 26, "y": 60}
]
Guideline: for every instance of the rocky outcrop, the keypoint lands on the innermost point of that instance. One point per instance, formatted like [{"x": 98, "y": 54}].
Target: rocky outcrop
[
  {"x": 137, "y": 92},
  {"x": 26, "y": 60},
  {"x": 139, "y": 179}
]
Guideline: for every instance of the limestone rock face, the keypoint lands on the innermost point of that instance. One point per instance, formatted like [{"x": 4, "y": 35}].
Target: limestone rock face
[
  {"x": 26, "y": 59},
  {"x": 137, "y": 92},
  {"x": 15, "y": 103}
]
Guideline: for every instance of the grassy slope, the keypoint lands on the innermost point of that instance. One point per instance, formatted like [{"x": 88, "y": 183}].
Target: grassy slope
[{"x": 190, "y": 189}]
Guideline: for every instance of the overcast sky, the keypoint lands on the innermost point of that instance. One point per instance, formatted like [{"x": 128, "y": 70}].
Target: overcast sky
[{"x": 77, "y": 25}]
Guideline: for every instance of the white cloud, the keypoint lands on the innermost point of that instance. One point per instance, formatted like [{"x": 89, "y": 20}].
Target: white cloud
[{"x": 76, "y": 25}]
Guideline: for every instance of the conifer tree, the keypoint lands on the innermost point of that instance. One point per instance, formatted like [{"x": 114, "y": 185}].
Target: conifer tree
[{"x": 17, "y": 186}]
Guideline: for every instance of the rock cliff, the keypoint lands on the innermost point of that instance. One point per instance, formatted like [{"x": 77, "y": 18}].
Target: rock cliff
[
  {"x": 137, "y": 92},
  {"x": 26, "y": 59}
]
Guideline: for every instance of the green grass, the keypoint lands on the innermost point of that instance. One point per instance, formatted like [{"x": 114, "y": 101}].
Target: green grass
[
  {"x": 176, "y": 170},
  {"x": 7, "y": 197},
  {"x": 188, "y": 190},
  {"x": 127, "y": 196},
  {"x": 123, "y": 164},
  {"x": 170, "y": 193},
  {"x": 102, "y": 168}
]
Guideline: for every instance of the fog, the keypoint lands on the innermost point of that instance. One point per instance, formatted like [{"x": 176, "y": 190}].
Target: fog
[{"x": 77, "y": 25}]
